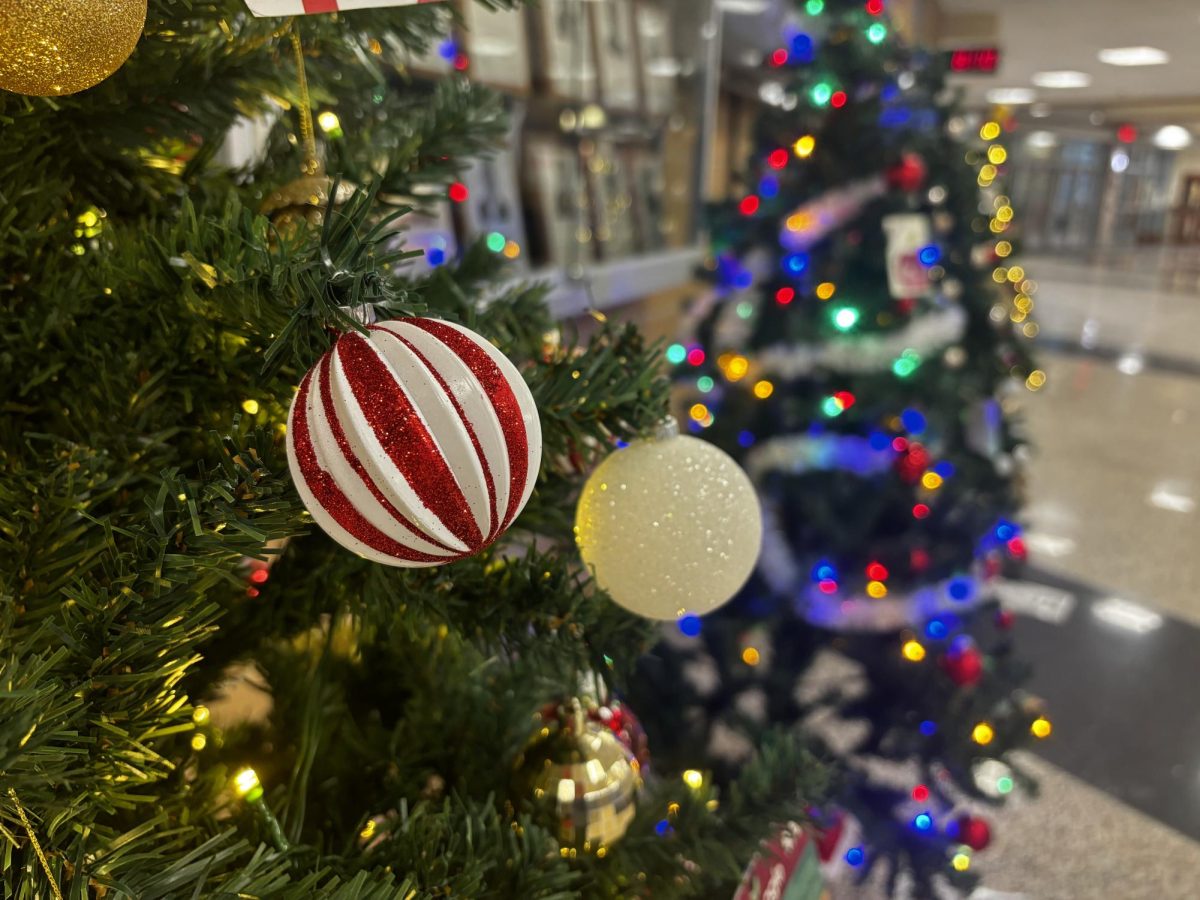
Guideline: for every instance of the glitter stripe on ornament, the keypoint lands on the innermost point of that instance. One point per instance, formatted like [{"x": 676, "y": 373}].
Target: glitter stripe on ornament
[
  {"x": 318, "y": 489},
  {"x": 404, "y": 435},
  {"x": 494, "y": 518},
  {"x": 339, "y": 435},
  {"x": 517, "y": 415}
]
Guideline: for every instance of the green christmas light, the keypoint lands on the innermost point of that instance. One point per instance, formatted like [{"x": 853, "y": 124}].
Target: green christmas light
[
  {"x": 745, "y": 309},
  {"x": 1004, "y": 784},
  {"x": 820, "y": 93},
  {"x": 676, "y": 354},
  {"x": 814, "y": 7},
  {"x": 876, "y": 33},
  {"x": 845, "y": 318},
  {"x": 495, "y": 241},
  {"x": 704, "y": 383},
  {"x": 906, "y": 363},
  {"x": 831, "y": 406}
]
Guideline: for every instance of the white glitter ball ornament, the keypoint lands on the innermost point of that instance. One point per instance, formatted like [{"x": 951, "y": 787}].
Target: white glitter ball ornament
[
  {"x": 669, "y": 527},
  {"x": 415, "y": 444}
]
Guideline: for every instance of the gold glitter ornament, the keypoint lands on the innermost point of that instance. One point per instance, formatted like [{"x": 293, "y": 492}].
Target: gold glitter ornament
[
  {"x": 53, "y": 47},
  {"x": 669, "y": 526},
  {"x": 301, "y": 203},
  {"x": 581, "y": 773}
]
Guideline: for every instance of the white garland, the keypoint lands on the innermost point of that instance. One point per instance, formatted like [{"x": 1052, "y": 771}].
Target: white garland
[
  {"x": 925, "y": 335},
  {"x": 852, "y": 611},
  {"x": 797, "y": 453}
]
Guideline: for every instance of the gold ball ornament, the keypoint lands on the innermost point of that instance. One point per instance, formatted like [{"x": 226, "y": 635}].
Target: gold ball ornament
[
  {"x": 301, "y": 203},
  {"x": 669, "y": 526},
  {"x": 585, "y": 777},
  {"x": 53, "y": 47}
]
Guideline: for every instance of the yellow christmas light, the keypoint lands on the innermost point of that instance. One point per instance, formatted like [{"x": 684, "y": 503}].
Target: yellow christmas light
[
  {"x": 1003, "y": 248},
  {"x": 512, "y": 249},
  {"x": 1015, "y": 274},
  {"x": 996, "y": 154},
  {"x": 750, "y": 656},
  {"x": 201, "y": 715},
  {"x": 931, "y": 480},
  {"x": 738, "y": 366},
  {"x": 995, "y": 226},
  {"x": 913, "y": 651},
  {"x": 1036, "y": 379},
  {"x": 693, "y": 779},
  {"x": 1041, "y": 727},
  {"x": 247, "y": 785},
  {"x": 825, "y": 290},
  {"x": 800, "y": 221},
  {"x": 876, "y": 589},
  {"x": 698, "y": 412},
  {"x": 763, "y": 389},
  {"x": 1004, "y": 213},
  {"x": 250, "y": 406},
  {"x": 999, "y": 274},
  {"x": 990, "y": 131},
  {"x": 1030, "y": 329},
  {"x": 982, "y": 734},
  {"x": 804, "y": 146},
  {"x": 961, "y": 861},
  {"x": 199, "y": 742}
]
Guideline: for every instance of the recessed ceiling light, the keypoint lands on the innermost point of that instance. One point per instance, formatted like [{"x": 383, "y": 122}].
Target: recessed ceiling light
[
  {"x": 1040, "y": 110},
  {"x": 1041, "y": 140},
  {"x": 1172, "y": 137},
  {"x": 1062, "y": 78},
  {"x": 743, "y": 7},
  {"x": 1134, "y": 56},
  {"x": 1013, "y": 96}
]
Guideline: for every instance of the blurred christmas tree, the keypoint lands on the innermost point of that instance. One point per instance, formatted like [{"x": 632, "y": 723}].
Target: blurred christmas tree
[
  {"x": 203, "y": 694},
  {"x": 861, "y": 356}
]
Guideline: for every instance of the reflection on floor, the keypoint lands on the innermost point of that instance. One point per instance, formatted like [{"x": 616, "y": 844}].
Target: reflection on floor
[{"x": 1111, "y": 626}]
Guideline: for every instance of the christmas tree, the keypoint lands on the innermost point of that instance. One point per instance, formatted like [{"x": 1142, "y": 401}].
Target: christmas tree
[
  {"x": 205, "y": 694},
  {"x": 860, "y": 356}
]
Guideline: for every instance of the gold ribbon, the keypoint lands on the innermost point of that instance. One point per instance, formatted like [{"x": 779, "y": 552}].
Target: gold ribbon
[
  {"x": 37, "y": 847},
  {"x": 310, "y": 166}
]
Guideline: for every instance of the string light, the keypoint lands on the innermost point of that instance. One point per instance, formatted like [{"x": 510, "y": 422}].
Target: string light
[
  {"x": 763, "y": 389},
  {"x": 876, "y": 590},
  {"x": 458, "y": 192},
  {"x": 250, "y": 406},
  {"x": 920, "y": 511},
  {"x": 1003, "y": 249},
  {"x": 800, "y": 221},
  {"x": 693, "y": 779},
  {"x": 201, "y": 715},
  {"x": 737, "y": 368},
  {"x": 931, "y": 480},
  {"x": 913, "y": 651},
  {"x": 676, "y": 354},
  {"x": 785, "y": 295},
  {"x": 778, "y": 158},
  {"x": 750, "y": 656},
  {"x": 996, "y": 154},
  {"x": 875, "y": 7},
  {"x": 1041, "y": 727},
  {"x": 820, "y": 93},
  {"x": 877, "y": 571},
  {"x": 779, "y": 57},
  {"x": 1004, "y": 785},
  {"x": 838, "y": 100},
  {"x": 989, "y": 131},
  {"x": 814, "y": 7},
  {"x": 923, "y": 822},
  {"x": 512, "y": 250},
  {"x": 698, "y": 412},
  {"x": 825, "y": 290},
  {"x": 705, "y": 384},
  {"x": 845, "y": 317},
  {"x": 906, "y": 363},
  {"x": 982, "y": 734},
  {"x": 329, "y": 123},
  {"x": 1036, "y": 379},
  {"x": 199, "y": 742},
  {"x": 749, "y": 205},
  {"x": 804, "y": 146},
  {"x": 247, "y": 785},
  {"x": 876, "y": 33},
  {"x": 961, "y": 861},
  {"x": 695, "y": 356}
]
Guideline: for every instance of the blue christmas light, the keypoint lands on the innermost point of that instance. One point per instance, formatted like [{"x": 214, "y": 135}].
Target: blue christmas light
[
  {"x": 795, "y": 263},
  {"x": 930, "y": 255},
  {"x": 663, "y": 828},
  {"x": 621, "y": 445},
  {"x": 944, "y": 467},
  {"x": 745, "y": 439},
  {"x": 803, "y": 50},
  {"x": 855, "y": 856},
  {"x": 435, "y": 255},
  {"x": 768, "y": 187},
  {"x": 961, "y": 588},
  {"x": 689, "y": 624},
  {"x": 824, "y": 571},
  {"x": 879, "y": 440},
  {"x": 1006, "y": 531},
  {"x": 923, "y": 822},
  {"x": 895, "y": 116},
  {"x": 448, "y": 49},
  {"x": 890, "y": 92},
  {"x": 743, "y": 279},
  {"x": 928, "y": 728},
  {"x": 936, "y": 629},
  {"x": 913, "y": 421}
]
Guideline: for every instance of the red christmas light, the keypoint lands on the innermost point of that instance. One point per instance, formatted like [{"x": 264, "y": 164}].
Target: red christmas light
[
  {"x": 827, "y": 585},
  {"x": 877, "y": 572},
  {"x": 900, "y": 444},
  {"x": 920, "y": 793},
  {"x": 784, "y": 296},
  {"x": 749, "y": 205},
  {"x": 778, "y": 158},
  {"x": 695, "y": 356},
  {"x": 1017, "y": 548},
  {"x": 920, "y": 511},
  {"x": 1005, "y": 619},
  {"x": 458, "y": 192},
  {"x": 779, "y": 57},
  {"x": 252, "y": 592},
  {"x": 875, "y": 7},
  {"x": 461, "y": 62},
  {"x": 838, "y": 100},
  {"x": 919, "y": 560},
  {"x": 845, "y": 398},
  {"x": 1126, "y": 134},
  {"x": 258, "y": 576}
]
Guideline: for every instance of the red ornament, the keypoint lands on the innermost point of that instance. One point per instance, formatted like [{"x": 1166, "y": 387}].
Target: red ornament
[
  {"x": 414, "y": 444},
  {"x": 908, "y": 174},
  {"x": 976, "y": 833},
  {"x": 1005, "y": 619},
  {"x": 965, "y": 667}
]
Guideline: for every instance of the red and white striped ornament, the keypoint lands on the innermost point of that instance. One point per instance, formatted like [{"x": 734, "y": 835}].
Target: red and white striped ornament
[
  {"x": 313, "y": 7},
  {"x": 416, "y": 444}
]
